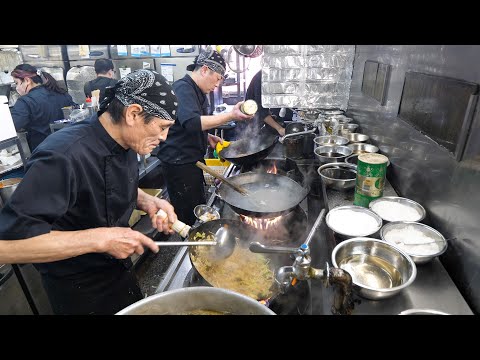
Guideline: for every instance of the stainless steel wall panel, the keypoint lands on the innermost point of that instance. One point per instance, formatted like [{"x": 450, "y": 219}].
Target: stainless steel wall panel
[{"x": 421, "y": 169}]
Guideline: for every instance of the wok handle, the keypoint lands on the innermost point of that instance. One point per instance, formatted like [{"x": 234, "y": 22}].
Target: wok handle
[
  {"x": 205, "y": 168},
  {"x": 185, "y": 243},
  {"x": 256, "y": 247}
]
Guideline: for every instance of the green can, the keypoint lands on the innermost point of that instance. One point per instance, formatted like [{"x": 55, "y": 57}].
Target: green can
[{"x": 370, "y": 182}]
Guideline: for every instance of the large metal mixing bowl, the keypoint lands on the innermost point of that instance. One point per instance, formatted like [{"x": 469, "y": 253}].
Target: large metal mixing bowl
[
  {"x": 339, "y": 176},
  {"x": 330, "y": 140},
  {"x": 360, "y": 148},
  {"x": 197, "y": 300},
  {"x": 332, "y": 153},
  {"x": 379, "y": 269}
]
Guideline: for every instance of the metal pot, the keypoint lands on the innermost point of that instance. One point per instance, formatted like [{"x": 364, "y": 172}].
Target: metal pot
[
  {"x": 7, "y": 187},
  {"x": 187, "y": 301}
]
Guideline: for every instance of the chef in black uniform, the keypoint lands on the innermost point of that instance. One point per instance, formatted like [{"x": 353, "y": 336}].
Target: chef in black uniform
[
  {"x": 188, "y": 138},
  {"x": 78, "y": 192}
]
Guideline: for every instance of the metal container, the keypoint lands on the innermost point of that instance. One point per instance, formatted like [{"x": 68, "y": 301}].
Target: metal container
[
  {"x": 294, "y": 147},
  {"x": 249, "y": 107},
  {"x": 371, "y": 173},
  {"x": 343, "y": 234},
  {"x": 332, "y": 153},
  {"x": 401, "y": 200},
  {"x": 379, "y": 269},
  {"x": 422, "y": 312},
  {"x": 347, "y": 128},
  {"x": 339, "y": 176},
  {"x": 361, "y": 148},
  {"x": 200, "y": 300},
  {"x": 330, "y": 140},
  {"x": 356, "y": 137},
  {"x": 413, "y": 250},
  {"x": 7, "y": 187}
]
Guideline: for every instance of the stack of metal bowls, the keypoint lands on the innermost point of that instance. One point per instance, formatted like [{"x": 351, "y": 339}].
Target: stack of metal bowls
[
  {"x": 379, "y": 269},
  {"x": 330, "y": 140}
]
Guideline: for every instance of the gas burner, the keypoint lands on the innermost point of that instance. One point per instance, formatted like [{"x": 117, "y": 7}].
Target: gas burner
[{"x": 284, "y": 230}]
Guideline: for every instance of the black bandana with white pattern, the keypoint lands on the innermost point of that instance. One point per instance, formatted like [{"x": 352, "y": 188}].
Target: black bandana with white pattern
[
  {"x": 212, "y": 59},
  {"x": 147, "y": 88}
]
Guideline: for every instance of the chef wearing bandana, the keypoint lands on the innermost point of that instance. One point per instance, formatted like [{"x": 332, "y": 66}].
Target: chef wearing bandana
[
  {"x": 78, "y": 192},
  {"x": 188, "y": 138}
]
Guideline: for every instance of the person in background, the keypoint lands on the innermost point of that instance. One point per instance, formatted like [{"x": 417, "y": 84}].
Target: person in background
[
  {"x": 80, "y": 187},
  {"x": 188, "y": 138},
  {"x": 263, "y": 115},
  {"x": 40, "y": 103},
  {"x": 105, "y": 73}
]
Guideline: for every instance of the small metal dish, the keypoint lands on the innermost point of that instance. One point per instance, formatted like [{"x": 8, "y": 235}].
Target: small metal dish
[
  {"x": 400, "y": 200},
  {"x": 379, "y": 269},
  {"x": 206, "y": 213},
  {"x": 339, "y": 176},
  {"x": 422, "y": 312},
  {"x": 360, "y": 148},
  {"x": 420, "y": 253},
  {"x": 356, "y": 137}
]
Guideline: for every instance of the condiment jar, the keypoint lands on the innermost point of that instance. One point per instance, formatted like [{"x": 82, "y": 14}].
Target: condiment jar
[{"x": 249, "y": 107}]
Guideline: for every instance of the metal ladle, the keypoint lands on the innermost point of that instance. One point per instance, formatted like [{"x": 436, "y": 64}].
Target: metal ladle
[{"x": 224, "y": 241}]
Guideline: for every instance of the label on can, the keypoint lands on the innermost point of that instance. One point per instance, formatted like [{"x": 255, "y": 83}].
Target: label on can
[{"x": 370, "y": 181}]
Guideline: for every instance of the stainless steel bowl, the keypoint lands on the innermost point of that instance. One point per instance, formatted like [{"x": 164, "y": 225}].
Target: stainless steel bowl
[
  {"x": 400, "y": 200},
  {"x": 343, "y": 233},
  {"x": 332, "y": 153},
  {"x": 379, "y": 269},
  {"x": 347, "y": 128},
  {"x": 206, "y": 213},
  {"x": 422, "y": 312},
  {"x": 339, "y": 176},
  {"x": 7, "y": 188},
  {"x": 360, "y": 148},
  {"x": 419, "y": 253},
  {"x": 356, "y": 137},
  {"x": 330, "y": 140},
  {"x": 187, "y": 301}
]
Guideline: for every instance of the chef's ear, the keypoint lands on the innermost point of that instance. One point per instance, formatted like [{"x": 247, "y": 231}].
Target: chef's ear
[{"x": 132, "y": 115}]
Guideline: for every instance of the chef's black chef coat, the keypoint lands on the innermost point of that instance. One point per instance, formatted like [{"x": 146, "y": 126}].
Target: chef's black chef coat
[
  {"x": 36, "y": 110},
  {"x": 186, "y": 142},
  {"x": 78, "y": 178}
]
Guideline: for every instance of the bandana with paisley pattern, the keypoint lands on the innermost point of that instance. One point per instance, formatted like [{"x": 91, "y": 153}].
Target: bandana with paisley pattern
[
  {"x": 212, "y": 59},
  {"x": 147, "y": 88}
]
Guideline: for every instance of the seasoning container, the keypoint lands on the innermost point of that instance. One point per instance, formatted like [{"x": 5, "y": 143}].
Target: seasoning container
[
  {"x": 370, "y": 181},
  {"x": 249, "y": 107}
]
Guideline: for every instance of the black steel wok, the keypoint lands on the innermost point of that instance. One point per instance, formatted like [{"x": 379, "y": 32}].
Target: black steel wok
[
  {"x": 270, "y": 195},
  {"x": 239, "y": 271},
  {"x": 249, "y": 151}
]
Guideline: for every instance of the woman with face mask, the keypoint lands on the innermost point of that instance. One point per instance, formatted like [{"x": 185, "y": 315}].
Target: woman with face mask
[{"x": 40, "y": 103}]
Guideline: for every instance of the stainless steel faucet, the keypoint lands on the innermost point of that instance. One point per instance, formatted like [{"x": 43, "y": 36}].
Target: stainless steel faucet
[{"x": 302, "y": 270}]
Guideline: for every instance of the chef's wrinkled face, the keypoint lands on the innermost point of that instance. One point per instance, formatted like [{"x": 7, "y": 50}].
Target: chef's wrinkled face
[
  {"x": 143, "y": 137},
  {"x": 152, "y": 135}
]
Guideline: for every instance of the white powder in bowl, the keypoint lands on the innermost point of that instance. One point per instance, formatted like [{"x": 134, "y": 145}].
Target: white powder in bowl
[
  {"x": 354, "y": 223},
  {"x": 413, "y": 241},
  {"x": 395, "y": 211}
]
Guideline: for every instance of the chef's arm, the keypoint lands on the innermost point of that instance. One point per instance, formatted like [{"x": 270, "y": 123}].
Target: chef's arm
[
  {"x": 151, "y": 204},
  {"x": 59, "y": 245},
  {"x": 212, "y": 121},
  {"x": 271, "y": 121}
]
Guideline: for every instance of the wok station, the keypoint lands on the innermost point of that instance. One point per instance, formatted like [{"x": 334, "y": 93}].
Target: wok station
[{"x": 298, "y": 243}]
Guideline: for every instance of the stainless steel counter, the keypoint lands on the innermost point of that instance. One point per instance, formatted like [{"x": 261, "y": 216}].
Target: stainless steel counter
[{"x": 432, "y": 289}]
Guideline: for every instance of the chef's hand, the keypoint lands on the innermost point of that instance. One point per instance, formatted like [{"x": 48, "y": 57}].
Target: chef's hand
[
  {"x": 213, "y": 140},
  {"x": 163, "y": 224},
  {"x": 122, "y": 242},
  {"x": 281, "y": 131},
  {"x": 238, "y": 114}
]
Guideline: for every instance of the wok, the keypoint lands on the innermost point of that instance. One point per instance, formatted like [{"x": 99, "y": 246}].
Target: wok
[
  {"x": 247, "y": 151},
  {"x": 243, "y": 272},
  {"x": 270, "y": 195}
]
